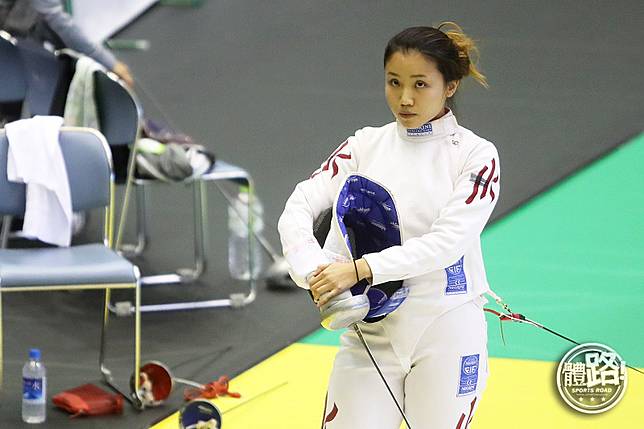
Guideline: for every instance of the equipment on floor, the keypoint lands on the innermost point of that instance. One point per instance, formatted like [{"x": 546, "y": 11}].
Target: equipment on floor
[
  {"x": 199, "y": 414},
  {"x": 157, "y": 383},
  {"x": 89, "y": 400}
]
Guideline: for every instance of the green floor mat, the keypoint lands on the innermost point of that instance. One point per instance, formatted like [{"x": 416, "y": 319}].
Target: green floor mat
[{"x": 573, "y": 260}]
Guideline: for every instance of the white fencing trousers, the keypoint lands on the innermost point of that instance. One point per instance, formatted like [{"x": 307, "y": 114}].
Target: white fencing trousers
[{"x": 441, "y": 390}]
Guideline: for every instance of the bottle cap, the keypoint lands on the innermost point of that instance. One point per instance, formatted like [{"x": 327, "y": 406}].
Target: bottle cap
[{"x": 34, "y": 354}]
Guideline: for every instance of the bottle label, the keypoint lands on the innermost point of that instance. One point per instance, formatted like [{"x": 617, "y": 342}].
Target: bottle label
[{"x": 32, "y": 388}]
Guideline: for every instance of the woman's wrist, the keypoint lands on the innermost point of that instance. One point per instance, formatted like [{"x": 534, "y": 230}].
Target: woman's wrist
[{"x": 364, "y": 271}]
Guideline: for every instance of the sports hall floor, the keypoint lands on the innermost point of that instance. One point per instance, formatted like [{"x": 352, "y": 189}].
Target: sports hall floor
[{"x": 274, "y": 87}]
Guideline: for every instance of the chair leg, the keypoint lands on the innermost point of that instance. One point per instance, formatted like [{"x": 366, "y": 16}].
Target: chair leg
[
  {"x": 184, "y": 275},
  {"x": 200, "y": 208},
  {"x": 107, "y": 375},
  {"x": 187, "y": 275},
  {"x": 1, "y": 347},
  {"x": 5, "y": 231},
  {"x": 126, "y": 197},
  {"x": 133, "y": 396},
  {"x": 133, "y": 250},
  {"x": 141, "y": 220},
  {"x": 137, "y": 400}
]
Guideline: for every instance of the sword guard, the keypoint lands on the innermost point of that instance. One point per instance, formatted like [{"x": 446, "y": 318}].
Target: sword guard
[{"x": 342, "y": 313}]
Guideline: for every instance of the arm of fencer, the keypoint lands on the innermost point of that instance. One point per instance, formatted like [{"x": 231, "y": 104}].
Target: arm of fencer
[
  {"x": 309, "y": 199},
  {"x": 303, "y": 260},
  {"x": 72, "y": 36},
  {"x": 307, "y": 260},
  {"x": 458, "y": 226}
]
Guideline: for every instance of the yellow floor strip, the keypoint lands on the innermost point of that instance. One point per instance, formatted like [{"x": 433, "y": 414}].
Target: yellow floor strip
[
  {"x": 523, "y": 394},
  {"x": 287, "y": 392},
  {"x": 295, "y": 379}
]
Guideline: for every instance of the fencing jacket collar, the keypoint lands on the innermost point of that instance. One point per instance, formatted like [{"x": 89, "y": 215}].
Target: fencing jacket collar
[{"x": 441, "y": 127}]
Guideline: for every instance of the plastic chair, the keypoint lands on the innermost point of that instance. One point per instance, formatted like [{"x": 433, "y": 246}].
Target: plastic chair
[
  {"x": 12, "y": 90},
  {"x": 34, "y": 76},
  {"x": 120, "y": 116},
  {"x": 47, "y": 77},
  {"x": 14, "y": 85},
  {"x": 88, "y": 266}
]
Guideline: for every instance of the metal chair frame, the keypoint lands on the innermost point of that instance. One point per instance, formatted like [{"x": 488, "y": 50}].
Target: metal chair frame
[
  {"x": 221, "y": 171},
  {"x": 108, "y": 232}
]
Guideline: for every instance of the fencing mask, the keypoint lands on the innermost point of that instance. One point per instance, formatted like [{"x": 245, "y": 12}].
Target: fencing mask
[{"x": 365, "y": 215}]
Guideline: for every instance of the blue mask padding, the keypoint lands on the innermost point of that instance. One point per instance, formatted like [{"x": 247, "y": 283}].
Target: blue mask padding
[{"x": 368, "y": 220}]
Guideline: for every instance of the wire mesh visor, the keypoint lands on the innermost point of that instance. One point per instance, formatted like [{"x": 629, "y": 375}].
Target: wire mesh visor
[{"x": 368, "y": 220}]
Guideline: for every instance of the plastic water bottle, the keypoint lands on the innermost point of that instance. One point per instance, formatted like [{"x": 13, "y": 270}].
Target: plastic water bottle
[
  {"x": 34, "y": 389},
  {"x": 238, "y": 235}
]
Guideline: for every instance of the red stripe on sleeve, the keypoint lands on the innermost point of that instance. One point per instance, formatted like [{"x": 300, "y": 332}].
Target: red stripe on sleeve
[
  {"x": 479, "y": 177},
  {"x": 489, "y": 179},
  {"x": 496, "y": 179},
  {"x": 327, "y": 163},
  {"x": 469, "y": 417}
]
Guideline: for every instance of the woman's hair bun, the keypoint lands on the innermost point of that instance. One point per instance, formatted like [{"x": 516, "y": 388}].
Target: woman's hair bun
[{"x": 468, "y": 52}]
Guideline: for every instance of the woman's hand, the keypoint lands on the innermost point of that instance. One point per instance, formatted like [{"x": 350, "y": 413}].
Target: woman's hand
[
  {"x": 123, "y": 71},
  {"x": 330, "y": 280}
]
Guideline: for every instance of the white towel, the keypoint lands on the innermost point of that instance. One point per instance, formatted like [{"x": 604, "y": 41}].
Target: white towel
[{"x": 35, "y": 158}]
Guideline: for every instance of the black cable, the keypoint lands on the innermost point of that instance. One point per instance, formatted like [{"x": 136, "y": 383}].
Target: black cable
[{"x": 364, "y": 343}]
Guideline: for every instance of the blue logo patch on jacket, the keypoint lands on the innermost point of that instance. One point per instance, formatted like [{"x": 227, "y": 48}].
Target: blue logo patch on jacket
[
  {"x": 423, "y": 130},
  {"x": 469, "y": 375},
  {"x": 456, "y": 281}
]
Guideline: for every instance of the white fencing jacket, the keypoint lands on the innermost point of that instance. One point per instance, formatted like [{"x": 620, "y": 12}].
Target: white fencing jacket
[{"x": 445, "y": 183}]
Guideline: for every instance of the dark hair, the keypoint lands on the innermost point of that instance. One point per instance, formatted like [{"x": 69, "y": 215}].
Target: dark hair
[{"x": 451, "y": 50}]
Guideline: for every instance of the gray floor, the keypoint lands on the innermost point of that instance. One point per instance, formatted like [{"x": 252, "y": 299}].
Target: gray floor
[{"x": 275, "y": 87}]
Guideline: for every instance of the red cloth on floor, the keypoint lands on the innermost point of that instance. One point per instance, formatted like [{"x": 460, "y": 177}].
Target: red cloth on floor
[
  {"x": 211, "y": 390},
  {"x": 88, "y": 400}
]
